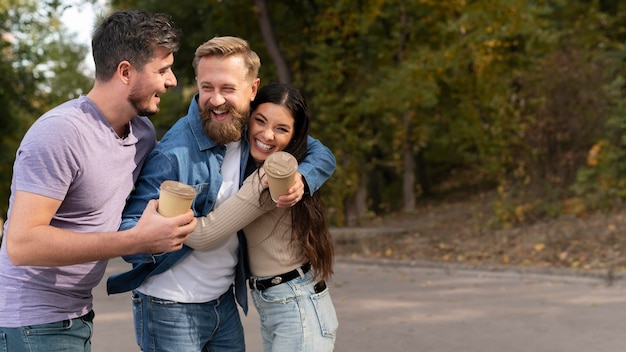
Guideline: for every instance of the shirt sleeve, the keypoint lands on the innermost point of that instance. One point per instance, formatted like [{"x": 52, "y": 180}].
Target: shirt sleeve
[
  {"x": 231, "y": 215},
  {"x": 317, "y": 166},
  {"x": 47, "y": 159}
]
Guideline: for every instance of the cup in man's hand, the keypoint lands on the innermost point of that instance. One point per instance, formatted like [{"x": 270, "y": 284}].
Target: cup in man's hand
[{"x": 175, "y": 198}]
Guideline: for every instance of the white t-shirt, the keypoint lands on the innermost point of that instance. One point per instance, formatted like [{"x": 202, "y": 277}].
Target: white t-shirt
[{"x": 204, "y": 276}]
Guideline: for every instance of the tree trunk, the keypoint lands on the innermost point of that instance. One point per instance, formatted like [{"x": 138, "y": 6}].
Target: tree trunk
[
  {"x": 422, "y": 175},
  {"x": 408, "y": 180},
  {"x": 265, "y": 23},
  {"x": 356, "y": 206}
]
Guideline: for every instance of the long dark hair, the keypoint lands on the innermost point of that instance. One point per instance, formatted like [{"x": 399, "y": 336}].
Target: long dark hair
[{"x": 308, "y": 216}]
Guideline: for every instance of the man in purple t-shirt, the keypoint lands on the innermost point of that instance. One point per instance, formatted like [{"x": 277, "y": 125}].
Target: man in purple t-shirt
[{"x": 73, "y": 172}]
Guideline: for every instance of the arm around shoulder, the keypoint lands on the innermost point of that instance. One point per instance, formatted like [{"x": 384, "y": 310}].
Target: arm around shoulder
[
  {"x": 232, "y": 215},
  {"x": 318, "y": 165}
]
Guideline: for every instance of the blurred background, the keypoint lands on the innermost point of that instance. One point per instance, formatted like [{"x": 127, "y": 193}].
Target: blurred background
[{"x": 421, "y": 101}]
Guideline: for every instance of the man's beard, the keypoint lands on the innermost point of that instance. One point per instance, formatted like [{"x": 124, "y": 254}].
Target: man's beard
[
  {"x": 135, "y": 99},
  {"x": 227, "y": 131}
]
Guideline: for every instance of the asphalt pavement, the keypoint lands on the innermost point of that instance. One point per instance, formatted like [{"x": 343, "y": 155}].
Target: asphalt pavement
[{"x": 406, "y": 306}]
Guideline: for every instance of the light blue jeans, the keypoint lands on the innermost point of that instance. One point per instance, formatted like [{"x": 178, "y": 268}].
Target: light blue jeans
[
  {"x": 167, "y": 326},
  {"x": 71, "y": 335},
  {"x": 294, "y": 318}
]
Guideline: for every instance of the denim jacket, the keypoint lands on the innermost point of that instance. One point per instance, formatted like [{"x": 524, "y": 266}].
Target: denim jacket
[{"x": 186, "y": 154}]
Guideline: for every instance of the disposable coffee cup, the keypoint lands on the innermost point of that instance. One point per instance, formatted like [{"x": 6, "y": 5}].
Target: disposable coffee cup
[
  {"x": 175, "y": 198},
  {"x": 280, "y": 169}
]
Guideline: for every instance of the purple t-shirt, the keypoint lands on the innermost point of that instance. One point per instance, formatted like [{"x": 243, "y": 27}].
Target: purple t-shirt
[{"x": 72, "y": 154}]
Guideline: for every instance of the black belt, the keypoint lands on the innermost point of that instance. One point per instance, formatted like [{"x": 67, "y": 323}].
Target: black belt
[{"x": 278, "y": 279}]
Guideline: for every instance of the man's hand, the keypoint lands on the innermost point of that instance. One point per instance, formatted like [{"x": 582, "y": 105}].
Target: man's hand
[
  {"x": 160, "y": 234},
  {"x": 296, "y": 192}
]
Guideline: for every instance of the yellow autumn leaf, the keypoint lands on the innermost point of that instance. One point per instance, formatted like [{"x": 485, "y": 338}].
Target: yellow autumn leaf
[
  {"x": 594, "y": 154},
  {"x": 539, "y": 247}
]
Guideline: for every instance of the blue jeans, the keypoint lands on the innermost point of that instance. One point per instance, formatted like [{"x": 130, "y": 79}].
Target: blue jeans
[
  {"x": 167, "y": 326},
  {"x": 71, "y": 335},
  {"x": 294, "y": 318}
]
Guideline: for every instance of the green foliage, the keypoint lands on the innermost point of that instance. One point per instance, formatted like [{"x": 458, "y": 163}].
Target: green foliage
[
  {"x": 511, "y": 93},
  {"x": 563, "y": 107},
  {"x": 601, "y": 182},
  {"x": 39, "y": 68}
]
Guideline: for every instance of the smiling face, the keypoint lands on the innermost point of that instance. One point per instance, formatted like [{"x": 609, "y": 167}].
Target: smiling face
[
  {"x": 153, "y": 80},
  {"x": 225, "y": 93},
  {"x": 270, "y": 130}
]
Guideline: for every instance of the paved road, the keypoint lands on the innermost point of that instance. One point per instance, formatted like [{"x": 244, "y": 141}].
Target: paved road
[{"x": 393, "y": 308}]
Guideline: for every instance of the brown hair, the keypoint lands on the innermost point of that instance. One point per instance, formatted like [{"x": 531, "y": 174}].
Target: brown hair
[
  {"x": 131, "y": 36},
  {"x": 228, "y": 46}
]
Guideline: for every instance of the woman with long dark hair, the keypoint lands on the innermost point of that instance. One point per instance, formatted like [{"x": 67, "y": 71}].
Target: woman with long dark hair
[{"x": 290, "y": 250}]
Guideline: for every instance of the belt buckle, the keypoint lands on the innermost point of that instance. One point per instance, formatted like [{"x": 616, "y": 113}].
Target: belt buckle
[
  {"x": 276, "y": 280},
  {"x": 254, "y": 280}
]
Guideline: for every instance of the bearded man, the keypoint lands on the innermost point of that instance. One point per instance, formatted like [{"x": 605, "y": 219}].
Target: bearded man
[{"x": 184, "y": 300}]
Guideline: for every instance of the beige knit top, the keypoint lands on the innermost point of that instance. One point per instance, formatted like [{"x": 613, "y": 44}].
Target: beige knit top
[{"x": 267, "y": 229}]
